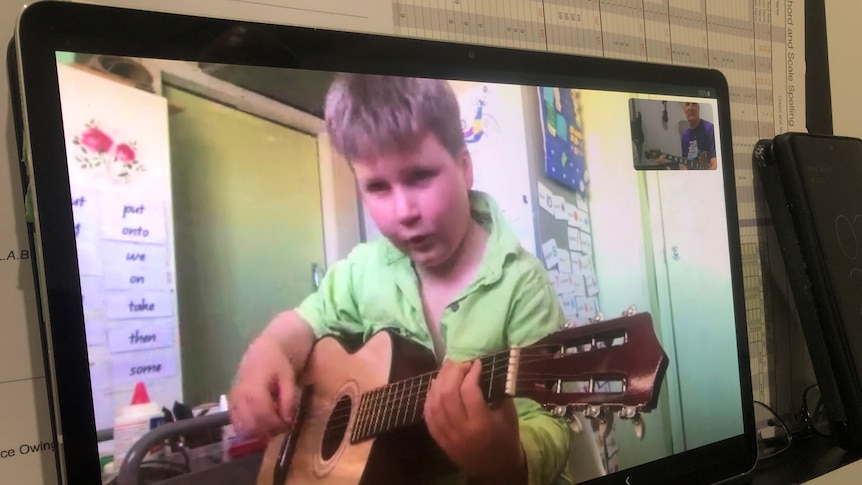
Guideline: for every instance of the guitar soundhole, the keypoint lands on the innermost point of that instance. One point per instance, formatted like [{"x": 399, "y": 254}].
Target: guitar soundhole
[{"x": 336, "y": 428}]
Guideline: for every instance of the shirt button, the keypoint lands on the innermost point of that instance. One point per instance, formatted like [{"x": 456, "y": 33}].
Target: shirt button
[{"x": 454, "y": 307}]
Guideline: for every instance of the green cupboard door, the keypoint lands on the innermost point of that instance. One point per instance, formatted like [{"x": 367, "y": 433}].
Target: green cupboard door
[{"x": 248, "y": 231}]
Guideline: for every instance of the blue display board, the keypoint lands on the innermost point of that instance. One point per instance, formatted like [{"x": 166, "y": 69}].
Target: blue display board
[{"x": 564, "y": 137}]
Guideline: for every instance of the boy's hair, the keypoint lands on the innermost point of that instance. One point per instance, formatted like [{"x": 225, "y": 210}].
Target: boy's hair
[{"x": 368, "y": 116}]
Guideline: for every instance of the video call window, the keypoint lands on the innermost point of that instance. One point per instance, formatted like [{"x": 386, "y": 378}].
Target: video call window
[{"x": 202, "y": 210}]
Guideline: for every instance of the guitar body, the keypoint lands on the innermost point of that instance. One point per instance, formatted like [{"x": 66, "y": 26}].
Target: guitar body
[
  {"x": 359, "y": 421},
  {"x": 338, "y": 376}
]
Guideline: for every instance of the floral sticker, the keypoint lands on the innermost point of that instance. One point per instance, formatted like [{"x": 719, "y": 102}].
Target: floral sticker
[{"x": 97, "y": 150}]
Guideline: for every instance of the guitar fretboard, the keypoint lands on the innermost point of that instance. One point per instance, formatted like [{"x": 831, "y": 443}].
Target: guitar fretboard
[
  {"x": 693, "y": 164},
  {"x": 402, "y": 403}
]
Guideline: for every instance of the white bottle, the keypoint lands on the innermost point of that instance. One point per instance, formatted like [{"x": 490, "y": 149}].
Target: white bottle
[
  {"x": 228, "y": 434},
  {"x": 133, "y": 422}
]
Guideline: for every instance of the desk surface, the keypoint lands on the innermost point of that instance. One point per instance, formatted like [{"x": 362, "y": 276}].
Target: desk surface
[
  {"x": 806, "y": 460},
  {"x": 846, "y": 475}
]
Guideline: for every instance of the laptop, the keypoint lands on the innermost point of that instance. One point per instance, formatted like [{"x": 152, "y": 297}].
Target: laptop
[{"x": 187, "y": 188}]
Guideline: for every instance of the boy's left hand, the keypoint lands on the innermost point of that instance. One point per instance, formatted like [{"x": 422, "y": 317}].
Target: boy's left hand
[{"x": 480, "y": 439}]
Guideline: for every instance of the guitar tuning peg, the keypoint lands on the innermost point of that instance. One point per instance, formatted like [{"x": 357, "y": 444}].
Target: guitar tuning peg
[
  {"x": 553, "y": 409},
  {"x": 559, "y": 411},
  {"x": 629, "y": 412},
  {"x": 631, "y": 310},
  {"x": 593, "y": 412},
  {"x": 640, "y": 426},
  {"x": 575, "y": 424},
  {"x": 606, "y": 424},
  {"x": 633, "y": 414},
  {"x": 566, "y": 412},
  {"x": 571, "y": 411}
]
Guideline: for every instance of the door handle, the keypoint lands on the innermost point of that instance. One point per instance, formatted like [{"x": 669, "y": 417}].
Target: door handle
[{"x": 316, "y": 275}]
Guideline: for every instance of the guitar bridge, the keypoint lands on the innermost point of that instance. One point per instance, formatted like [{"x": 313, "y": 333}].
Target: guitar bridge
[{"x": 512, "y": 372}]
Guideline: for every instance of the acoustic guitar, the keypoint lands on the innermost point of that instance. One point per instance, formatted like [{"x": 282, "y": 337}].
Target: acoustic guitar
[
  {"x": 700, "y": 163},
  {"x": 359, "y": 421}
]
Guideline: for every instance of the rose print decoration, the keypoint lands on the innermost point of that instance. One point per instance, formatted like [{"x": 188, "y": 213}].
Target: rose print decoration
[
  {"x": 97, "y": 150},
  {"x": 96, "y": 140}
]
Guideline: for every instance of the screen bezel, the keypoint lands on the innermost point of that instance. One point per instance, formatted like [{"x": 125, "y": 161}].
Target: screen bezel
[{"x": 48, "y": 27}]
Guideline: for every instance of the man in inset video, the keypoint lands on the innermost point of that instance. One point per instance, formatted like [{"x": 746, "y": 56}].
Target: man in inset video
[
  {"x": 697, "y": 144},
  {"x": 699, "y": 138}
]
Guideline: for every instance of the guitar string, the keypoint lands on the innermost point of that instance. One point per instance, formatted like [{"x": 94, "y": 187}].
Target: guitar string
[
  {"x": 497, "y": 358},
  {"x": 385, "y": 400},
  {"x": 533, "y": 352},
  {"x": 417, "y": 388},
  {"x": 381, "y": 397},
  {"x": 344, "y": 428},
  {"x": 416, "y": 382},
  {"x": 421, "y": 396},
  {"x": 375, "y": 398}
]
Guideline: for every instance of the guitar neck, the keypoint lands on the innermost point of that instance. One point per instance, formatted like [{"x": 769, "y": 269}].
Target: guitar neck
[
  {"x": 401, "y": 404},
  {"x": 693, "y": 164}
]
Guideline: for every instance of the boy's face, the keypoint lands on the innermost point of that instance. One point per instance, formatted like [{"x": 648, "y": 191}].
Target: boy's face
[{"x": 419, "y": 199}]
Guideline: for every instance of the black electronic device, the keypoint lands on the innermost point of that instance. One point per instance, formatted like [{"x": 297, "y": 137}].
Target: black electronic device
[{"x": 813, "y": 186}]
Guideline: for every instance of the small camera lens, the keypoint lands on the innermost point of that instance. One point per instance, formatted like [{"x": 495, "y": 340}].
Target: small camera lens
[{"x": 471, "y": 54}]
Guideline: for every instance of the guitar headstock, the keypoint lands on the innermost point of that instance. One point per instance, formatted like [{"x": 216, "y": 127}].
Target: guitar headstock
[
  {"x": 653, "y": 154},
  {"x": 610, "y": 367}
]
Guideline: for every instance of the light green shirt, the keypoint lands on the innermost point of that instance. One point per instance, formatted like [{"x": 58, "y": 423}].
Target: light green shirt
[{"x": 511, "y": 302}]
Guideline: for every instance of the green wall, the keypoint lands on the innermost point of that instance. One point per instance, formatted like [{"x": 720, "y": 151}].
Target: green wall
[{"x": 248, "y": 226}]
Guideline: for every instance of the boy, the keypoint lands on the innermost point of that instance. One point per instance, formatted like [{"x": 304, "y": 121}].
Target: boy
[{"x": 449, "y": 271}]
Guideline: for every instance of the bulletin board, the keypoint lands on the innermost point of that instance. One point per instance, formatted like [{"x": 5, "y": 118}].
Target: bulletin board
[{"x": 564, "y": 137}]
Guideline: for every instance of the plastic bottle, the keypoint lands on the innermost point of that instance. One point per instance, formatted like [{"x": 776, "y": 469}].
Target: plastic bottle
[
  {"x": 228, "y": 434},
  {"x": 133, "y": 422}
]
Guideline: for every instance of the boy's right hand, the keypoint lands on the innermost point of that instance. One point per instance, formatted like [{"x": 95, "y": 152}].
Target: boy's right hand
[{"x": 263, "y": 400}]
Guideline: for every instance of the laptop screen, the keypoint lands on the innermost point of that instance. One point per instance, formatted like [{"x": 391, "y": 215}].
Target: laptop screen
[{"x": 208, "y": 198}]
